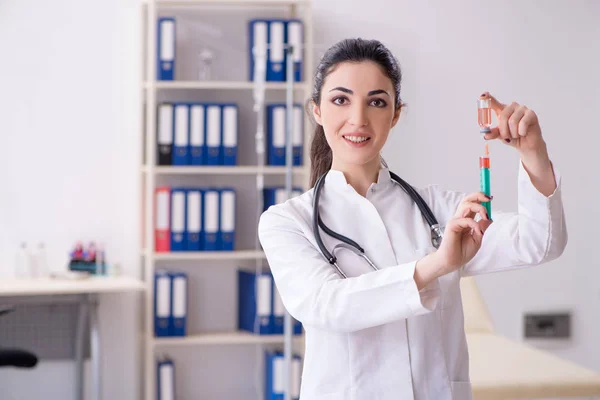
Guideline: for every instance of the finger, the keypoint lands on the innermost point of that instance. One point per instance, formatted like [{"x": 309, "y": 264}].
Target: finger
[
  {"x": 494, "y": 134},
  {"x": 484, "y": 224},
  {"x": 461, "y": 224},
  {"x": 494, "y": 103},
  {"x": 503, "y": 122},
  {"x": 515, "y": 119},
  {"x": 469, "y": 209},
  {"x": 529, "y": 119},
  {"x": 477, "y": 196}
]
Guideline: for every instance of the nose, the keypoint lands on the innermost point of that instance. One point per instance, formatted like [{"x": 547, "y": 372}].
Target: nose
[{"x": 358, "y": 115}]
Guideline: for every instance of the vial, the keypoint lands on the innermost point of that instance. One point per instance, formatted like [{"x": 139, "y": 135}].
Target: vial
[{"x": 484, "y": 114}]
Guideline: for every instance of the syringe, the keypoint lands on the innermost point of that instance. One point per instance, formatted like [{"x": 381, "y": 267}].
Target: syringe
[{"x": 484, "y": 175}]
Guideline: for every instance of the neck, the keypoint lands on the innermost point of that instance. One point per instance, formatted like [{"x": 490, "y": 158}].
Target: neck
[{"x": 360, "y": 177}]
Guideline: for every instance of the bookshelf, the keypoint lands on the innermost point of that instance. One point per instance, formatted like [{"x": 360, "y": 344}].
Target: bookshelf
[{"x": 213, "y": 343}]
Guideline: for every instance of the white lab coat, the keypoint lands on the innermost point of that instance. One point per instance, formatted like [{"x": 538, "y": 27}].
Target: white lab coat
[{"x": 374, "y": 335}]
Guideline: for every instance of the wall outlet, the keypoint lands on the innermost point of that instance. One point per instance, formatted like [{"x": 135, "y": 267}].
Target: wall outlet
[{"x": 548, "y": 325}]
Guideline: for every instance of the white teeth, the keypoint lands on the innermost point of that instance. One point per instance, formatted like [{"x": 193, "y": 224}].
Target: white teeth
[{"x": 356, "y": 139}]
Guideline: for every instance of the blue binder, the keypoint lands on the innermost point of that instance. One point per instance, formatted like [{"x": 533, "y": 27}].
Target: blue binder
[
  {"x": 255, "y": 302},
  {"x": 211, "y": 220},
  {"x": 230, "y": 133},
  {"x": 227, "y": 219},
  {"x": 197, "y": 134},
  {"x": 258, "y": 34},
  {"x": 278, "y": 316},
  {"x": 213, "y": 134},
  {"x": 165, "y": 379},
  {"x": 276, "y": 67},
  {"x": 162, "y": 304},
  {"x": 277, "y": 195},
  {"x": 275, "y": 375},
  {"x": 165, "y": 55},
  {"x": 276, "y": 134},
  {"x": 178, "y": 219},
  {"x": 181, "y": 142},
  {"x": 276, "y": 125},
  {"x": 297, "y": 327},
  {"x": 295, "y": 38},
  {"x": 297, "y": 135},
  {"x": 194, "y": 219},
  {"x": 269, "y": 35},
  {"x": 179, "y": 289}
]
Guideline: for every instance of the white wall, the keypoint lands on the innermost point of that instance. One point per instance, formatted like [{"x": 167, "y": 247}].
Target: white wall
[
  {"x": 70, "y": 119},
  {"x": 544, "y": 54},
  {"x": 69, "y": 127}
]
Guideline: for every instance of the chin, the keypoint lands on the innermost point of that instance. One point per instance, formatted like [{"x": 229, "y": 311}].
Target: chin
[{"x": 360, "y": 159}]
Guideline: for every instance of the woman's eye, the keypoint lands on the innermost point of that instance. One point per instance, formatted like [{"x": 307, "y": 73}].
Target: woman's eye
[
  {"x": 340, "y": 101},
  {"x": 378, "y": 103}
]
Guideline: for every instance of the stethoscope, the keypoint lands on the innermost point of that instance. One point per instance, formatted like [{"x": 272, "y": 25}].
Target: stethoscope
[{"x": 347, "y": 243}]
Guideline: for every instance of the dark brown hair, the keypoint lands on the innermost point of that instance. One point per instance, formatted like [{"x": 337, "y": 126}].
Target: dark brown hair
[{"x": 348, "y": 50}]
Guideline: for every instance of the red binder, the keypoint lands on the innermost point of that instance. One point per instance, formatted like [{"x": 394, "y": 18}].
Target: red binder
[{"x": 162, "y": 223}]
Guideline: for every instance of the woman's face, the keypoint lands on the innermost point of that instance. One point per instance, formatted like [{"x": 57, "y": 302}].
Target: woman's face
[{"x": 357, "y": 111}]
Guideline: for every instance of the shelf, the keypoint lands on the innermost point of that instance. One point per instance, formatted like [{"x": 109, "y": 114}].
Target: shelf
[
  {"x": 251, "y": 3},
  {"x": 221, "y": 170},
  {"x": 229, "y": 85},
  {"x": 222, "y": 338},
  {"x": 210, "y": 255},
  {"x": 63, "y": 286}
]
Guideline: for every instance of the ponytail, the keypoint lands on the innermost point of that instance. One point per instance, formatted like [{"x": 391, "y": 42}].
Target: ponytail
[{"x": 320, "y": 155}]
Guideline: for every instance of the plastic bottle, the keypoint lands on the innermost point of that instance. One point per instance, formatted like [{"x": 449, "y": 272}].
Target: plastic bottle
[
  {"x": 41, "y": 261},
  {"x": 22, "y": 262}
]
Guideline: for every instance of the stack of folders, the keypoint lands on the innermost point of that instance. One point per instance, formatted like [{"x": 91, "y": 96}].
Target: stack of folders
[
  {"x": 275, "y": 376},
  {"x": 194, "y": 219},
  {"x": 260, "y": 309},
  {"x": 276, "y": 134},
  {"x": 165, "y": 54},
  {"x": 197, "y": 134},
  {"x": 170, "y": 304},
  {"x": 165, "y": 382},
  {"x": 277, "y": 195},
  {"x": 271, "y": 38}
]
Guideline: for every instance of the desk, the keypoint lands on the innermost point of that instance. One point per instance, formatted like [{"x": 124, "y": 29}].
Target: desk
[
  {"x": 503, "y": 369},
  {"x": 88, "y": 288}
]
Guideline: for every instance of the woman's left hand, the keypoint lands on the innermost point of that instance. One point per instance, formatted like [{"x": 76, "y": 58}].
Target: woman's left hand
[{"x": 518, "y": 126}]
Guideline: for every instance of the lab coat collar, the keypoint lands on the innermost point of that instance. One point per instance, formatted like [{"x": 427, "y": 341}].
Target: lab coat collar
[{"x": 336, "y": 179}]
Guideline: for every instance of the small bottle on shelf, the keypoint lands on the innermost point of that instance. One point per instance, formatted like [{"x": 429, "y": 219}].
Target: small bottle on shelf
[{"x": 22, "y": 262}]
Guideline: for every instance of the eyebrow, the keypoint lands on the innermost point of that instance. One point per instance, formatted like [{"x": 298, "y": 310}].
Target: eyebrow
[{"x": 371, "y": 93}]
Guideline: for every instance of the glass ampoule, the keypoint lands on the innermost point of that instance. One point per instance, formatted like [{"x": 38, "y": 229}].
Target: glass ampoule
[{"x": 484, "y": 113}]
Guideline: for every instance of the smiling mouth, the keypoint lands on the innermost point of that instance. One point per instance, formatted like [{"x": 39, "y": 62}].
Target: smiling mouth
[{"x": 356, "y": 139}]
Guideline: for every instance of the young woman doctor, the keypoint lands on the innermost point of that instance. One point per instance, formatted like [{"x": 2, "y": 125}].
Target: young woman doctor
[{"x": 396, "y": 333}]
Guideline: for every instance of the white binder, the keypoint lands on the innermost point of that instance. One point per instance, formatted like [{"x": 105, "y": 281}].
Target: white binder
[
  {"x": 227, "y": 219},
  {"x": 213, "y": 134},
  {"x": 197, "y": 134},
  {"x": 264, "y": 285},
  {"x": 165, "y": 134},
  {"x": 181, "y": 142},
  {"x": 211, "y": 219},
  {"x": 194, "y": 219},
  {"x": 230, "y": 134},
  {"x": 166, "y": 380},
  {"x": 277, "y": 50}
]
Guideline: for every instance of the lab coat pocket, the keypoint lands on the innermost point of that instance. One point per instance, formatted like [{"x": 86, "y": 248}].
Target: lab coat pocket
[{"x": 461, "y": 390}]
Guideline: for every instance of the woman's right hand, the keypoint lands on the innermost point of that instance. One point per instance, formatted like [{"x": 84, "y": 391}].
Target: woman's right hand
[{"x": 463, "y": 236}]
